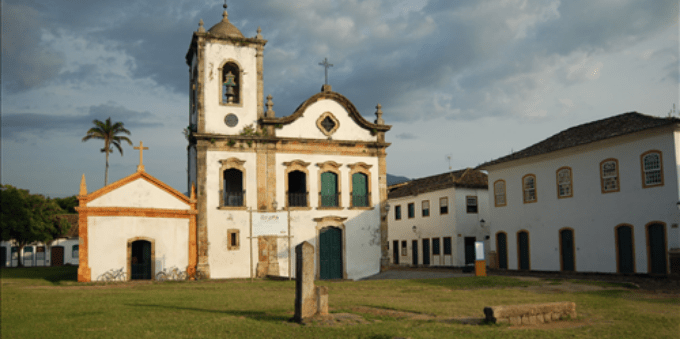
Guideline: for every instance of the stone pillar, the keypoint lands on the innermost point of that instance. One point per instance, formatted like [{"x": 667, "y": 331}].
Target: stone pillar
[
  {"x": 202, "y": 244},
  {"x": 305, "y": 296},
  {"x": 382, "y": 184}
]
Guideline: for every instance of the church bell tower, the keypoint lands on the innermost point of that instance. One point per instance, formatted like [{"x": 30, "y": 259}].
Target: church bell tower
[
  {"x": 226, "y": 86},
  {"x": 226, "y": 97}
]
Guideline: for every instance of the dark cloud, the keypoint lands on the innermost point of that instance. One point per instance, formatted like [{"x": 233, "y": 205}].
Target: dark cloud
[
  {"x": 16, "y": 126},
  {"x": 406, "y": 136},
  {"x": 26, "y": 62}
]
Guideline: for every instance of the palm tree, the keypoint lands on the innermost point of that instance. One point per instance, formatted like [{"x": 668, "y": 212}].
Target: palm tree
[{"x": 107, "y": 132}]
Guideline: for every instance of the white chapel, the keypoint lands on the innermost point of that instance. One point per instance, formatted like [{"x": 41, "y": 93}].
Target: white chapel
[{"x": 262, "y": 184}]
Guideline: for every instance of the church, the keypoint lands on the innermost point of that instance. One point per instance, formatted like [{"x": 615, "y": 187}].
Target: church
[{"x": 259, "y": 184}]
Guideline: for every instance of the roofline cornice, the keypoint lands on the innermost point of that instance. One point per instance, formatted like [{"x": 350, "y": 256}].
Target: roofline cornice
[
  {"x": 327, "y": 95},
  {"x": 564, "y": 152}
]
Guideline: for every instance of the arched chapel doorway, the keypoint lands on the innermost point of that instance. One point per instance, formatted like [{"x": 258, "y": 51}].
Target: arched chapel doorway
[{"x": 140, "y": 259}]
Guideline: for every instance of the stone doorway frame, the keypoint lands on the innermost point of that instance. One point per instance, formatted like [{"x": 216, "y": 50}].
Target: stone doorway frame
[
  {"x": 330, "y": 221},
  {"x": 129, "y": 256}
]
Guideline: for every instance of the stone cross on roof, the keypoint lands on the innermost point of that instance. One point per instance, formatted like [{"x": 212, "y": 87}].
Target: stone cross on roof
[
  {"x": 326, "y": 65},
  {"x": 141, "y": 148}
]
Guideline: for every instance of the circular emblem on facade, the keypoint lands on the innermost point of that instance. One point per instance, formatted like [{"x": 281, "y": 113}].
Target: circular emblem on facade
[{"x": 231, "y": 120}]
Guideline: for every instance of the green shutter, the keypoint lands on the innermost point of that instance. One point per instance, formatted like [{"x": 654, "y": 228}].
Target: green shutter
[
  {"x": 359, "y": 190},
  {"x": 329, "y": 189}
]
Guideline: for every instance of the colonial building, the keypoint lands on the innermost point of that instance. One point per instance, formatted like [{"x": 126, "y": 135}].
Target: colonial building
[
  {"x": 61, "y": 251},
  {"x": 435, "y": 221},
  {"x": 598, "y": 197}
]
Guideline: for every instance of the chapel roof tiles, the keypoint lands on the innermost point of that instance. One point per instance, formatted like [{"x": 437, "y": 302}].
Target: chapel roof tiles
[
  {"x": 465, "y": 178},
  {"x": 611, "y": 127}
]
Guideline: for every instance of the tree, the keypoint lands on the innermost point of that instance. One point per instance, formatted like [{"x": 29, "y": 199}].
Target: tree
[
  {"x": 68, "y": 204},
  {"x": 108, "y": 132},
  {"x": 27, "y": 218}
]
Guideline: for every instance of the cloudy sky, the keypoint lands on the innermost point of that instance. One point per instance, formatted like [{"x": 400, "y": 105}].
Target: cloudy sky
[{"x": 469, "y": 80}]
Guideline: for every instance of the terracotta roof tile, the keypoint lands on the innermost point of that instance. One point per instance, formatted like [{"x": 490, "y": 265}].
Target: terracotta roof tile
[
  {"x": 466, "y": 178},
  {"x": 615, "y": 126}
]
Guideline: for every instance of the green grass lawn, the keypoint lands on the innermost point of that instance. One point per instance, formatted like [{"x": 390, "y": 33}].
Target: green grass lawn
[{"x": 47, "y": 303}]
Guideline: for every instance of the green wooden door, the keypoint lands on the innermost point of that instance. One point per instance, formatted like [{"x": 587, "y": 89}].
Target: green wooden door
[
  {"x": 330, "y": 253},
  {"x": 359, "y": 190},
  {"x": 567, "y": 245},
  {"x": 626, "y": 256},
  {"x": 329, "y": 189},
  {"x": 523, "y": 245},
  {"x": 502, "y": 242},
  {"x": 657, "y": 248},
  {"x": 414, "y": 252},
  {"x": 426, "y": 252}
]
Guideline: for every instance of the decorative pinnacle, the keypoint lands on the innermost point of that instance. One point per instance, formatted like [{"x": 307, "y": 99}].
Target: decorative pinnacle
[
  {"x": 270, "y": 104},
  {"x": 259, "y": 32},
  {"x": 379, "y": 114},
  {"x": 225, "y": 16},
  {"x": 83, "y": 186},
  {"x": 201, "y": 29}
]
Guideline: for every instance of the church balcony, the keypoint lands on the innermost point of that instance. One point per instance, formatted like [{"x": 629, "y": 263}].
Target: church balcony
[
  {"x": 233, "y": 199},
  {"x": 329, "y": 200},
  {"x": 297, "y": 199},
  {"x": 360, "y": 200}
]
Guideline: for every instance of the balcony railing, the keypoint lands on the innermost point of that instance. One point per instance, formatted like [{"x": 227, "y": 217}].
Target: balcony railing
[
  {"x": 297, "y": 199},
  {"x": 360, "y": 200},
  {"x": 329, "y": 200},
  {"x": 233, "y": 199}
]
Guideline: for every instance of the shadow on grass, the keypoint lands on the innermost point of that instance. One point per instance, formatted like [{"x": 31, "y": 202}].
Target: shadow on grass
[
  {"x": 55, "y": 275},
  {"x": 247, "y": 314},
  {"x": 476, "y": 282}
]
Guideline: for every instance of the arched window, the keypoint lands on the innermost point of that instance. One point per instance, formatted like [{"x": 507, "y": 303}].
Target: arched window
[
  {"x": 609, "y": 175},
  {"x": 233, "y": 187},
  {"x": 297, "y": 189},
  {"x": 360, "y": 194},
  {"x": 564, "y": 183},
  {"x": 231, "y": 83},
  {"x": 529, "y": 186},
  {"x": 232, "y": 176},
  {"x": 329, "y": 184},
  {"x": 499, "y": 193},
  {"x": 360, "y": 185},
  {"x": 652, "y": 169},
  {"x": 297, "y": 185},
  {"x": 329, "y": 196}
]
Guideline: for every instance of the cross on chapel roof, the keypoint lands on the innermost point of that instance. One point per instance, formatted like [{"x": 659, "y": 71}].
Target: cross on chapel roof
[{"x": 141, "y": 148}]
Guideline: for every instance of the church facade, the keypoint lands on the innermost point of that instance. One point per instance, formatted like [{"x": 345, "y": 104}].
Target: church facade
[{"x": 320, "y": 170}]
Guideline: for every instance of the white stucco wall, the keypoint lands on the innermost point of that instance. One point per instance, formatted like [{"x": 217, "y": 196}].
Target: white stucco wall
[
  {"x": 592, "y": 214},
  {"x": 216, "y": 55},
  {"x": 108, "y": 238},
  {"x": 457, "y": 224},
  {"x": 306, "y": 127},
  {"x": 139, "y": 193}
]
